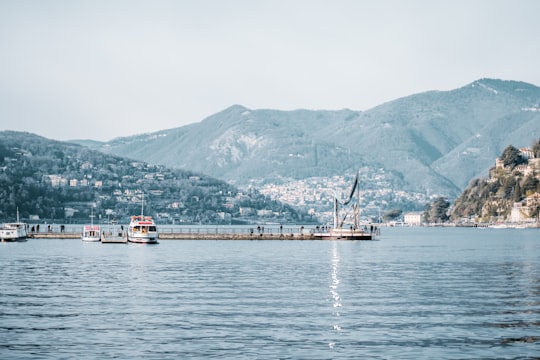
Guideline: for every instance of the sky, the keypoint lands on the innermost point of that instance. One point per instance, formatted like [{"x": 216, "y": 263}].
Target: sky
[{"x": 101, "y": 69}]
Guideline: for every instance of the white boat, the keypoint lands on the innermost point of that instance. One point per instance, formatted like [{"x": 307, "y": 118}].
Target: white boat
[
  {"x": 142, "y": 229},
  {"x": 91, "y": 232},
  {"x": 15, "y": 231}
]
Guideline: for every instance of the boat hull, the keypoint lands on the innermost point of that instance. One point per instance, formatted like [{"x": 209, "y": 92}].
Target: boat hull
[
  {"x": 12, "y": 239},
  {"x": 141, "y": 240},
  {"x": 337, "y": 234},
  {"x": 91, "y": 239}
]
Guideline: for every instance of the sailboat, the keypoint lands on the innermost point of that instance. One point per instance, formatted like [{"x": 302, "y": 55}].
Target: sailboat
[
  {"x": 142, "y": 229},
  {"x": 353, "y": 231},
  {"x": 91, "y": 232}
]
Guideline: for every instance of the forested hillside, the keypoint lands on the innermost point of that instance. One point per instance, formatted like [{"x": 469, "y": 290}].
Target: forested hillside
[
  {"x": 60, "y": 182},
  {"x": 513, "y": 185}
]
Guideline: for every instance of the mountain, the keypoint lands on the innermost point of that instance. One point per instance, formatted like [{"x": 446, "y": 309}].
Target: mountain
[
  {"x": 432, "y": 143},
  {"x": 56, "y": 181}
]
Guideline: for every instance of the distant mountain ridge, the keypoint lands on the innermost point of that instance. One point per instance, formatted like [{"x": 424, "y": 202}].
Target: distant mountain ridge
[{"x": 433, "y": 142}]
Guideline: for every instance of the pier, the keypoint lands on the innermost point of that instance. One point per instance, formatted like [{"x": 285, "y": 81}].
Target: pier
[{"x": 224, "y": 233}]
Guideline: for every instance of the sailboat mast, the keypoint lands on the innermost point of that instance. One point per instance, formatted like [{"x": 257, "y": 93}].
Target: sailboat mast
[
  {"x": 336, "y": 220},
  {"x": 357, "y": 212}
]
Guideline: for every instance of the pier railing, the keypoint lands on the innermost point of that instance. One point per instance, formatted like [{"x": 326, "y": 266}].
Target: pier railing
[
  {"x": 185, "y": 231},
  {"x": 217, "y": 232},
  {"x": 219, "y": 229}
]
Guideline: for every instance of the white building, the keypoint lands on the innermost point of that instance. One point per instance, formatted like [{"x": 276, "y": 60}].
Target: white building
[
  {"x": 526, "y": 153},
  {"x": 413, "y": 218},
  {"x": 522, "y": 211}
]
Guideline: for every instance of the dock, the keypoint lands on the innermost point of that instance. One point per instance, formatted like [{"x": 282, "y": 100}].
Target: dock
[
  {"x": 232, "y": 236},
  {"x": 216, "y": 234},
  {"x": 53, "y": 235},
  {"x": 109, "y": 238}
]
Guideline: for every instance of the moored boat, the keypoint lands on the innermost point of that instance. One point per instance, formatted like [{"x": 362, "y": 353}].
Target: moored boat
[
  {"x": 91, "y": 232},
  {"x": 346, "y": 234},
  {"x": 142, "y": 229},
  {"x": 15, "y": 231},
  {"x": 352, "y": 232}
]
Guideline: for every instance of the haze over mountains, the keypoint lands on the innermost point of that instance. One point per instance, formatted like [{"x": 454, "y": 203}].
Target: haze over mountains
[{"x": 432, "y": 143}]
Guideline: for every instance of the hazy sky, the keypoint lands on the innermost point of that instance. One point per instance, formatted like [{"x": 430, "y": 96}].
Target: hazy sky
[{"x": 100, "y": 69}]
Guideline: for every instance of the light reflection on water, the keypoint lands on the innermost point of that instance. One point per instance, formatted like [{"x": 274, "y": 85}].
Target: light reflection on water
[
  {"x": 416, "y": 293},
  {"x": 336, "y": 299}
]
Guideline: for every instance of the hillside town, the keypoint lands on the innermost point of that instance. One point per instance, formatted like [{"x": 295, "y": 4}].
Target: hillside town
[
  {"x": 53, "y": 182},
  {"x": 315, "y": 195}
]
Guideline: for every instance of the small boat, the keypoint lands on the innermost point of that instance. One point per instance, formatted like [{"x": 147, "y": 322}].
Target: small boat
[
  {"x": 142, "y": 229},
  {"x": 91, "y": 232},
  {"x": 15, "y": 231}
]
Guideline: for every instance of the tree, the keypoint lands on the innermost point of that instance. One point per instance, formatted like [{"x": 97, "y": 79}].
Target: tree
[
  {"x": 536, "y": 148},
  {"x": 518, "y": 195},
  {"x": 506, "y": 189},
  {"x": 511, "y": 157},
  {"x": 437, "y": 212},
  {"x": 392, "y": 214},
  {"x": 530, "y": 185}
]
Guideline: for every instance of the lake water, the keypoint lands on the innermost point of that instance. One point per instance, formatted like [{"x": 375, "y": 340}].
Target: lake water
[{"x": 418, "y": 293}]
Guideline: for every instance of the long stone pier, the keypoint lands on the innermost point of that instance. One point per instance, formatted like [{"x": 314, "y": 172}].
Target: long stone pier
[
  {"x": 271, "y": 232},
  {"x": 214, "y": 236}
]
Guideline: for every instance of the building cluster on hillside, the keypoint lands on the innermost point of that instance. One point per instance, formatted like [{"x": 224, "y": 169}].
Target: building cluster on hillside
[
  {"x": 114, "y": 190},
  {"x": 522, "y": 211},
  {"x": 316, "y": 194}
]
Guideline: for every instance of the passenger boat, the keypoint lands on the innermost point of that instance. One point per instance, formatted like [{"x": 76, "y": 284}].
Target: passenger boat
[
  {"x": 142, "y": 229},
  {"x": 91, "y": 232},
  {"x": 15, "y": 231}
]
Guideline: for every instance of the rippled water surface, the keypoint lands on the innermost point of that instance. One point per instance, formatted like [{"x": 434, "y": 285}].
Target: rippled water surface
[{"x": 415, "y": 294}]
